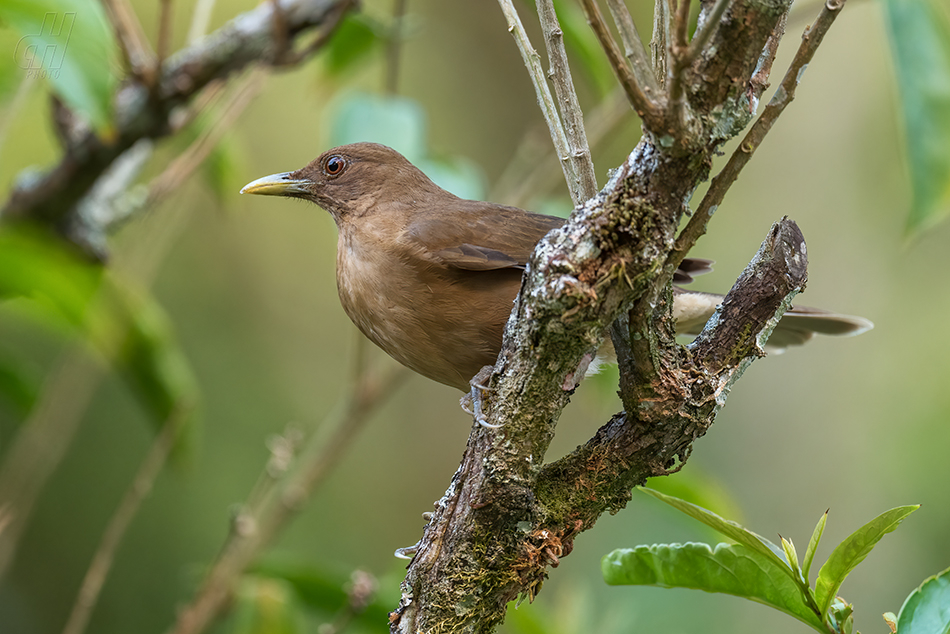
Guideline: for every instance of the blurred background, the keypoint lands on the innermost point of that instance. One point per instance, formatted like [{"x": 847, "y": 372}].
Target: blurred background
[{"x": 856, "y": 426}]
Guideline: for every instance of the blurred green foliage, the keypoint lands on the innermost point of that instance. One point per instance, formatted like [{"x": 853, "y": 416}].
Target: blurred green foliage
[
  {"x": 70, "y": 45},
  {"x": 920, "y": 39}
]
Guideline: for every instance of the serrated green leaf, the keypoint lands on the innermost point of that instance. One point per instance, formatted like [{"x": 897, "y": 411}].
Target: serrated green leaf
[
  {"x": 920, "y": 39},
  {"x": 398, "y": 122},
  {"x": 69, "y": 44},
  {"x": 730, "y": 529},
  {"x": 852, "y": 551},
  {"x": 266, "y": 606},
  {"x": 729, "y": 568},
  {"x": 355, "y": 37},
  {"x": 813, "y": 545},
  {"x": 927, "y": 609}
]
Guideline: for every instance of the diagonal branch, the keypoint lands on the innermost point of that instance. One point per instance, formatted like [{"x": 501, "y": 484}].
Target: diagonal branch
[
  {"x": 646, "y": 106},
  {"x": 633, "y": 48},
  {"x": 52, "y": 198},
  {"x": 136, "y": 51}
]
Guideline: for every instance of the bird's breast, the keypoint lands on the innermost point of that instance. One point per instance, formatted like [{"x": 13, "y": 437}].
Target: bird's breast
[{"x": 441, "y": 322}]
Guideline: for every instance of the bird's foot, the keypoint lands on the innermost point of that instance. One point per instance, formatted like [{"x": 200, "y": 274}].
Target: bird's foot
[
  {"x": 407, "y": 552},
  {"x": 471, "y": 403}
]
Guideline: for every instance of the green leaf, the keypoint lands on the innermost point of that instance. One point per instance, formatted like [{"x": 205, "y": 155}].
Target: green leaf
[
  {"x": 397, "y": 122},
  {"x": 813, "y": 545},
  {"x": 852, "y": 551},
  {"x": 124, "y": 325},
  {"x": 69, "y": 44},
  {"x": 266, "y": 606},
  {"x": 149, "y": 358},
  {"x": 927, "y": 609},
  {"x": 920, "y": 38},
  {"x": 353, "y": 41},
  {"x": 18, "y": 386},
  {"x": 729, "y": 568},
  {"x": 730, "y": 529},
  {"x": 791, "y": 555}
]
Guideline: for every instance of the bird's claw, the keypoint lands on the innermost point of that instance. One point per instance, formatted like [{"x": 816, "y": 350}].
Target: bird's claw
[
  {"x": 471, "y": 403},
  {"x": 407, "y": 552}
]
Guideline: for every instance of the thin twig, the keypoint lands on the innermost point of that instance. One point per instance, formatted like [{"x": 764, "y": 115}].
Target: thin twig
[
  {"x": 582, "y": 167},
  {"x": 677, "y": 70},
  {"x": 394, "y": 47},
  {"x": 532, "y": 62},
  {"x": 200, "y": 19},
  {"x": 785, "y": 93},
  {"x": 164, "y": 35},
  {"x": 705, "y": 32},
  {"x": 187, "y": 162},
  {"x": 290, "y": 58},
  {"x": 133, "y": 43},
  {"x": 138, "y": 490},
  {"x": 633, "y": 47},
  {"x": 660, "y": 43},
  {"x": 645, "y": 107},
  {"x": 682, "y": 25},
  {"x": 256, "y": 528}
]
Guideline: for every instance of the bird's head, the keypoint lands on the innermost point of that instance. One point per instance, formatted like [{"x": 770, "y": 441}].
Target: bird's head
[{"x": 350, "y": 180}]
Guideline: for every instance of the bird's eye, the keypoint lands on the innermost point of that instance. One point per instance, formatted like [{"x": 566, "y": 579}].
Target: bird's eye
[{"x": 334, "y": 165}]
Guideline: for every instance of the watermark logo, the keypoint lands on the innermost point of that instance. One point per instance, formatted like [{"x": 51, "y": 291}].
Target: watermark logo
[{"x": 41, "y": 55}]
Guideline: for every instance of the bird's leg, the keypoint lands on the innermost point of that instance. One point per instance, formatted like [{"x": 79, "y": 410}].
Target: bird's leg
[{"x": 471, "y": 403}]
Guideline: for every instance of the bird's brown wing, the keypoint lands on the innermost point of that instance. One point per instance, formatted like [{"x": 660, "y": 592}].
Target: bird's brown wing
[{"x": 480, "y": 236}]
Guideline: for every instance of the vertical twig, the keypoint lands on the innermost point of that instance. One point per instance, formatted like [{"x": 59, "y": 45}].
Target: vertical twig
[
  {"x": 200, "y": 19},
  {"x": 660, "y": 43},
  {"x": 164, "y": 35},
  {"x": 645, "y": 107},
  {"x": 633, "y": 48},
  {"x": 136, "y": 51},
  {"x": 705, "y": 32},
  {"x": 532, "y": 62},
  {"x": 677, "y": 69},
  {"x": 581, "y": 165},
  {"x": 394, "y": 47}
]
